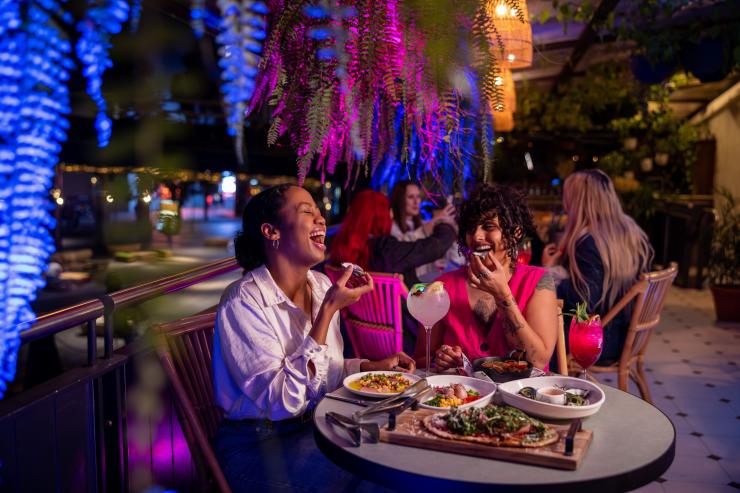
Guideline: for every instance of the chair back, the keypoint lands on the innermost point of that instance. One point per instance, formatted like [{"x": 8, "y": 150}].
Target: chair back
[
  {"x": 560, "y": 350},
  {"x": 375, "y": 323},
  {"x": 372, "y": 341},
  {"x": 649, "y": 295},
  {"x": 185, "y": 348}
]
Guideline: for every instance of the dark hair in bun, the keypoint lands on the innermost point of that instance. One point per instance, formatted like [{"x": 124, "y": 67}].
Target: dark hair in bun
[{"x": 264, "y": 207}]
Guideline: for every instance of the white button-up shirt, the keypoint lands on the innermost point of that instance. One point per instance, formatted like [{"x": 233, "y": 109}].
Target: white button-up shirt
[{"x": 261, "y": 350}]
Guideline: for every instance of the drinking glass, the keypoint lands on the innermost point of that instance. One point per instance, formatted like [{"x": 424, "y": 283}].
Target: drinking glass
[
  {"x": 428, "y": 303},
  {"x": 586, "y": 340},
  {"x": 525, "y": 253}
]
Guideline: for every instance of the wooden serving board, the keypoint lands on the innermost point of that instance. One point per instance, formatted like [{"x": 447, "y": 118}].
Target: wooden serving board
[{"x": 410, "y": 431}]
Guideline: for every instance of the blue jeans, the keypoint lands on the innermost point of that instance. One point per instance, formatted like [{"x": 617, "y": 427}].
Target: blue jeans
[{"x": 280, "y": 458}]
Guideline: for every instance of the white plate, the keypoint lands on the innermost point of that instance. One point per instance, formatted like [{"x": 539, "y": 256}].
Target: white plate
[
  {"x": 510, "y": 394},
  {"x": 484, "y": 388},
  {"x": 356, "y": 376}
]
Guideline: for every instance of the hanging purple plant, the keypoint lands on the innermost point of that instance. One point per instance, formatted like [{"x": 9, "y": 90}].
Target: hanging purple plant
[
  {"x": 243, "y": 30},
  {"x": 103, "y": 19}
]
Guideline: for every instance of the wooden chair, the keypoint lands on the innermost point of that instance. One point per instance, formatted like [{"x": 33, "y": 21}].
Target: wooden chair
[
  {"x": 648, "y": 295},
  {"x": 375, "y": 323},
  {"x": 185, "y": 349},
  {"x": 560, "y": 351}
]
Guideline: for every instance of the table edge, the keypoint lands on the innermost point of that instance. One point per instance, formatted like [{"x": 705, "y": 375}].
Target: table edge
[{"x": 399, "y": 479}]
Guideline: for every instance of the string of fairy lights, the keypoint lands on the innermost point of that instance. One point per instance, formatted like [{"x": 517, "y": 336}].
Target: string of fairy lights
[{"x": 330, "y": 192}]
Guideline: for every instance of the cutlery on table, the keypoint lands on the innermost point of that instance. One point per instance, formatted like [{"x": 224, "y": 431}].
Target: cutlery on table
[
  {"x": 353, "y": 431},
  {"x": 372, "y": 429},
  {"x": 359, "y": 402},
  {"x": 570, "y": 437},
  {"x": 392, "y": 402}
]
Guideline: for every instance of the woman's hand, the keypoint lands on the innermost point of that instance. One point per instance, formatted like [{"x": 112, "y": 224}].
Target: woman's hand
[
  {"x": 551, "y": 255},
  {"x": 493, "y": 280},
  {"x": 340, "y": 296},
  {"x": 445, "y": 215},
  {"x": 448, "y": 357},
  {"x": 398, "y": 362}
]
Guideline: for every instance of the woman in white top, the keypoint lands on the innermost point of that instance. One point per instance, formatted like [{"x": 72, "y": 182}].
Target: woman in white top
[
  {"x": 278, "y": 348},
  {"x": 408, "y": 226}
]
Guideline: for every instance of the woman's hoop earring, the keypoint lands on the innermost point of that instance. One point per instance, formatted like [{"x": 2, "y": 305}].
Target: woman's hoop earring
[{"x": 275, "y": 244}]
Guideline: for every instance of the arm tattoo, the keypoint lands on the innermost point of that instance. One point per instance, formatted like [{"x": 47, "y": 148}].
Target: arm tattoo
[
  {"x": 484, "y": 312},
  {"x": 512, "y": 326},
  {"x": 546, "y": 282}
]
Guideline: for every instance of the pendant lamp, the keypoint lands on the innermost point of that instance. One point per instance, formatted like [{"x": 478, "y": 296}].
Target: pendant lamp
[
  {"x": 512, "y": 40},
  {"x": 503, "y": 121},
  {"x": 506, "y": 82}
]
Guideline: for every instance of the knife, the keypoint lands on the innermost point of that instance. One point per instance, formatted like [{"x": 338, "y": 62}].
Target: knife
[
  {"x": 405, "y": 405},
  {"x": 390, "y": 403},
  {"x": 359, "y": 402},
  {"x": 575, "y": 427},
  {"x": 410, "y": 401},
  {"x": 393, "y": 407}
]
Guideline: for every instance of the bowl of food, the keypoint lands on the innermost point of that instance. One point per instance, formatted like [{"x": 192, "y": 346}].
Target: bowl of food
[
  {"x": 450, "y": 391},
  {"x": 503, "y": 370},
  {"x": 379, "y": 383},
  {"x": 556, "y": 397}
]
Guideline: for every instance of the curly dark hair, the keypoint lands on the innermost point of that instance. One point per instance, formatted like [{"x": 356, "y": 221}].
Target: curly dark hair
[
  {"x": 507, "y": 203},
  {"x": 249, "y": 244}
]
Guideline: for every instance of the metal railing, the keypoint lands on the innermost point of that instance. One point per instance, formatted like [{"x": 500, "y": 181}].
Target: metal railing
[{"x": 103, "y": 306}]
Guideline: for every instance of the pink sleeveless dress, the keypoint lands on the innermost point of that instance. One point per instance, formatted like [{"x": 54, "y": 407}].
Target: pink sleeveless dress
[{"x": 461, "y": 328}]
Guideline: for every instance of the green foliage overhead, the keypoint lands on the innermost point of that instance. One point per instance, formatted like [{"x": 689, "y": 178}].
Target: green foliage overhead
[
  {"x": 724, "y": 261},
  {"x": 659, "y": 28},
  {"x": 581, "y": 104}
]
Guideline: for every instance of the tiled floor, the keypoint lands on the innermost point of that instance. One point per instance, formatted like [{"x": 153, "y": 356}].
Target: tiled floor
[{"x": 694, "y": 378}]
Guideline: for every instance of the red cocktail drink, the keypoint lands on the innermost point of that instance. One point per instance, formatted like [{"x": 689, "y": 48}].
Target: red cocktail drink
[{"x": 586, "y": 340}]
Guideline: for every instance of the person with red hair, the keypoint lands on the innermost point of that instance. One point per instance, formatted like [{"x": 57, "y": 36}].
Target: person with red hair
[{"x": 365, "y": 239}]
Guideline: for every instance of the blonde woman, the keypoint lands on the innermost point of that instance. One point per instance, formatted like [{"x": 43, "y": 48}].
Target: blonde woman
[{"x": 603, "y": 252}]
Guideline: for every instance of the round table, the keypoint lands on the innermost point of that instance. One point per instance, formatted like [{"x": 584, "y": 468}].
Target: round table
[{"x": 633, "y": 444}]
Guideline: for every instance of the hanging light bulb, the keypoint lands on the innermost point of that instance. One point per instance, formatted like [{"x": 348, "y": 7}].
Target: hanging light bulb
[{"x": 511, "y": 32}]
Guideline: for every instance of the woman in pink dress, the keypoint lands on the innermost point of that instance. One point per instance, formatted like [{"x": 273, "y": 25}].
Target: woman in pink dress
[{"x": 496, "y": 305}]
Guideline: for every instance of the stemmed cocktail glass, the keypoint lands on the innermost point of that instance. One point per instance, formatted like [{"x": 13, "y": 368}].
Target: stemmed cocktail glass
[
  {"x": 586, "y": 340},
  {"x": 428, "y": 303}
]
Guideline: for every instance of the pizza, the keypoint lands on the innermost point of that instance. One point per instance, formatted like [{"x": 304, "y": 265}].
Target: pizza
[{"x": 493, "y": 425}]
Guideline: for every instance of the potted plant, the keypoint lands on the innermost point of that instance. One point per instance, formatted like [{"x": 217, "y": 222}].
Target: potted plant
[{"x": 724, "y": 260}]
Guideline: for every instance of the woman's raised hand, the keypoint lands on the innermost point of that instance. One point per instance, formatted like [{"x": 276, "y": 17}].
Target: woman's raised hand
[
  {"x": 340, "y": 295},
  {"x": 444, "y": 215},
  {"x": 398, "y": 362},
  {"x": 448, "y": 357},
  {"x": 489, "y": 276},
  {"x": 551, "y": 255}
]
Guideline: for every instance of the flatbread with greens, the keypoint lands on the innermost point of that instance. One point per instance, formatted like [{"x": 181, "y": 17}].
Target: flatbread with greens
[{"x": 492, "y": 425}]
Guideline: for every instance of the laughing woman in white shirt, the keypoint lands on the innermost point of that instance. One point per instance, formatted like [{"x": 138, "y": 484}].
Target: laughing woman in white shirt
[{"x": 278, "y": 349}]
